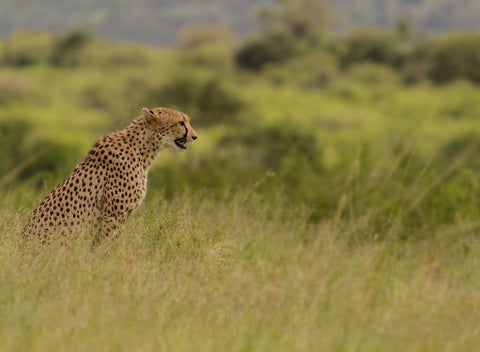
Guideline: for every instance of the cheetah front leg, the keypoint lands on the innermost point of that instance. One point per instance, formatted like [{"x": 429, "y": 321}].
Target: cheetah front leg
[
  {"x": 111, "y": 219},
  {"x": 115, "y": 206}
]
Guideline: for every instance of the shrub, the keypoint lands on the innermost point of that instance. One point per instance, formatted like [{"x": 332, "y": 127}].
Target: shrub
[
  {"x": 216, "y": 56},
  {"x": 209, "y": 46},
  {"x": 24, "y": 158},
  {"x": 122, "y": 55},
  {"x": 96, "y": 97},
  {"x": 180, "y": 93},
  {"x": 26, "y": 48},
  {"x": 54, "y": 159},
  {"x": 373, "y": 74},
  {"x": 269, "y": 145},
  {"x": 198, "y": 36},
  {"x": 67, "y": 49},
  {"x": 311, "y": 71},
  {"x": 217, "y": 104},
  {"x": 272, "y": 48},
  {"x": 373, "y": 46},
  {"x": 11, "y": 132},
  {"x": 280, "y": 159},
  {"x": 208, "y": 100},
  {"x": 462, "y": 102},
  {"x": 455, "y": 57}
]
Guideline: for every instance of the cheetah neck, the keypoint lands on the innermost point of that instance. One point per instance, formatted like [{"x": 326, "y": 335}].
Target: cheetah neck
[{"x": 142, "y": 138}]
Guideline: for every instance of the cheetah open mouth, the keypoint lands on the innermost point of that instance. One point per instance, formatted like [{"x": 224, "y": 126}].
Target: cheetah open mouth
[{"x": 180, "y": 143}]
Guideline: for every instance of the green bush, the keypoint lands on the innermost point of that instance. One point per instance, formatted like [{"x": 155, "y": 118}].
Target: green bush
[
  {"x": 206, "y": 99},
  {"x": 24, "y": 158},
  {"x": 11, "y": 132},
  {"x": 180, "y": 93},
  {"x": 463, "y": 105},
  {"x": 27, "y": 48},
  {"x": 455, "y": 57},
  {"x": 373, "y": 74},
  {"x": 272, "y": 48},
  {"x": 55, "y": 160},
  {"x": 267, "y": 146},
  {"x": 124, "y": 55},
  {"x": 67, "y": 49},
  {"x": 216, "y": 56},
  {"x": 278, "y": 159},
  {"x": 209, "y": 46},
  {"x": 416, "y": 67},
  {"x": 216, "y": 104},
  {"x": 316, "y": 70},
  {"x": 372, "y": 46}
]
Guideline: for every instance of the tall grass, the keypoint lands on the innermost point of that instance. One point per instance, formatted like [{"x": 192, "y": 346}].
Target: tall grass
[
  {"x": 359, "y": 234},
  {"x": 194, "y": 274}
]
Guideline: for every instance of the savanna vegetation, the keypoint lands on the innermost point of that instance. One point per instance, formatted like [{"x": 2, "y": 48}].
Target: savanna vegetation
[{"x": 330, "y": 203}]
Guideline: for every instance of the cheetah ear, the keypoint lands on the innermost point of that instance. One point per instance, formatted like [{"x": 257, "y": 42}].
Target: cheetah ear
[{"x": 148, "y": 114}]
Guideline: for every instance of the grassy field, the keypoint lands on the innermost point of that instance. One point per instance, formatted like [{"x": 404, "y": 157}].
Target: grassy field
[
  {"x": 190, "y": 275},
  {"x": 322, "y": 208}
]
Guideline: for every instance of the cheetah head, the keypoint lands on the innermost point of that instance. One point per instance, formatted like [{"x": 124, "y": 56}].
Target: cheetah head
[{"x": 171, "y": 127}]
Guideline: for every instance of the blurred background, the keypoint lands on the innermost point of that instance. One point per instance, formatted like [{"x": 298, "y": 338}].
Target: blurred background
[{"x": 351, "y": 108}]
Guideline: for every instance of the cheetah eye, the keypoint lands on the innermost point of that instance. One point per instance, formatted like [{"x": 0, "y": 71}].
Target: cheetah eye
[{"x": 182, "y": 123}]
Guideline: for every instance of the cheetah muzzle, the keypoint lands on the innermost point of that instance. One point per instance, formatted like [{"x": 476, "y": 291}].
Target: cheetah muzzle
[
  {"x": 110, "y": 183},
  {"x": 180, "y": 142}
]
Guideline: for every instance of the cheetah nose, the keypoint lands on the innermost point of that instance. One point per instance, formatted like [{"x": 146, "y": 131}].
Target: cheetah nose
[{"x": 194, "y": 137}]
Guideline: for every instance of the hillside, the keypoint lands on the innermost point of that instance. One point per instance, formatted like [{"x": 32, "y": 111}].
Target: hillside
[
  {"x": 158, "y": 22},
  {"x": 428, "y": 15},
  {"x": 148, "y": 21}
]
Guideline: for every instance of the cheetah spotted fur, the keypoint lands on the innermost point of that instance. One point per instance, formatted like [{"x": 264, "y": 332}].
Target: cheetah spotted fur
[{"x": 111, "y": 181}]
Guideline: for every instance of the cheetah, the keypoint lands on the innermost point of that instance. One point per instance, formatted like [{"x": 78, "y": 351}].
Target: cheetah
[{"x": 111, "y": 181}]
